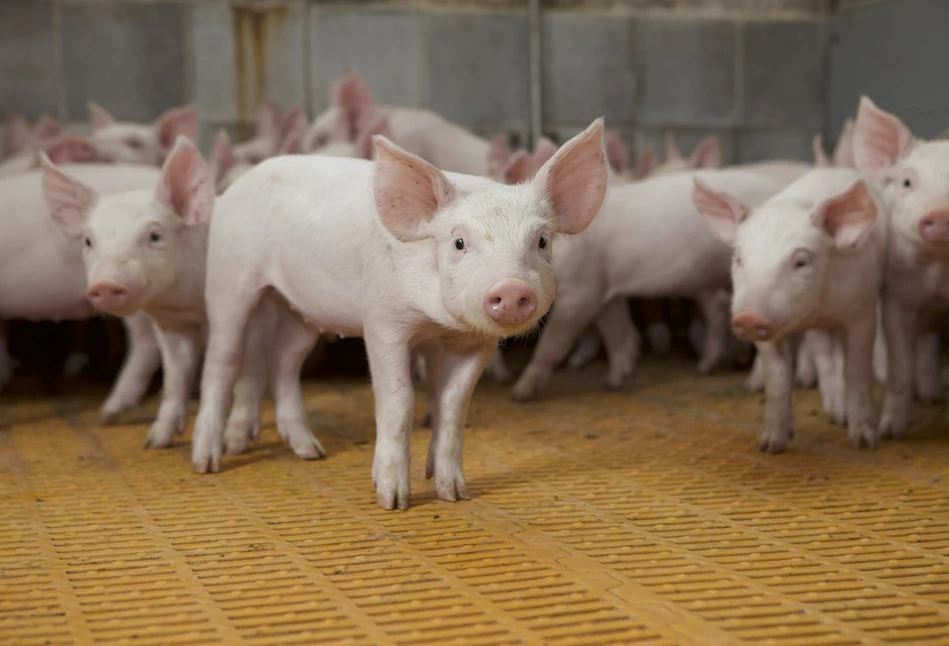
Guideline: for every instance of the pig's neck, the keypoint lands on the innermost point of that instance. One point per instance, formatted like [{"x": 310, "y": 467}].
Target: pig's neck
[
  {"x": 181, "y": 302},
  {"x": 446, "y": 145}
]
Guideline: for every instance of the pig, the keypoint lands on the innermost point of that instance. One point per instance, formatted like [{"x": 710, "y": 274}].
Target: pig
[
  {"x": 20, "y": 137},
  {"x": 424, "y": 133},
  {"x": 448, "y": 262},
  {"x": 145, "y": 252},
  {"x": 810, "y": 258},
  {"x": 41, "y": 274},
  {"x": 707, "y": 154},
  {"x": 626, "y": 253},
  {"x": 65, "y": 149},
  {"x": 276, "y": 135},
  {"x": 139, "y": 143},
  {"x": 910, "y": 176}
]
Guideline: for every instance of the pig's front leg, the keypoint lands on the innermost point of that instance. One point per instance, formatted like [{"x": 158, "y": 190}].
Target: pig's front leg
[
  {"x": 431, "y": 350},
  {"x": 778, "y": 425},
  {"x": 858, "y": 379},
  {"x": 293, "y": 340},
  {"x": 805, "y": 371},
  {"x": 715, "y": 308},
  {"x": 585, "y": 349},
  {"x": 928, "y": 370},
  {"x": 143, "y": 357},
  {"x": 899, "y": 322},
  {"x": 390, "y": 368},
  {"x": 621, "y": 339},
  {"x": 821, "y": 346},
  {"x": 179, "y": 353},
  {"x": 756, "y": 378},
  {"x": 566, "y": 321},
  {"x": 6, "y": 361},
  {"x": 497, "y": 367},
  {"x": 458, "y": 376}
]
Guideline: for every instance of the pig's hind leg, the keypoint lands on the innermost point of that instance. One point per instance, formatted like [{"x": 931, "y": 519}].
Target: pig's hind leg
[
  {"x": 179, "y": 353},
  {"x": 622, "y": 341},
  {"x": 243, "y": 425},
  {"x": 143, "y": 357},
  {"x": 715, "y": 308}
]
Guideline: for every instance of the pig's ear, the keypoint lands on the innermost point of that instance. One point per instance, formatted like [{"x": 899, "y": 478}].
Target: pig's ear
[
  {"x": 499, "y": 158},
  {"x": 69, "y": 200},
  {"x": 46, "y": 128},
  {"x": 16, "y": 135},
  {"x": 672, "y": 150},
  {"x": 186, "y": 185},
  {"x": 617, "y": 152},
  {"x": 847, "y": 217},
  {"x": 175, "y": 123},
  {"x": 268, "y": 119},
  {"x": 292, "y": 132},
  {"x": 646, "y": 163},
  {"x": 73, "y": 149},
  {"x": 575, "y": 179},
  {"x": 722, "y": 211},
  {"x": 519, "y": 170},
  {"x": 99, "y": 118},
  {"x": 379, "y": 126},
  {"x": 544, "y": 150},
  {"x": 353, "y": 97},
  {"x": 222, "y": 155},
  {"x": 879, "y": 141},
  {"x": 408, "y": 191},
  {"x": 820, "y": 157},
  {"x": 707, "y": 154},
  {"x": 843, "y": 153}
]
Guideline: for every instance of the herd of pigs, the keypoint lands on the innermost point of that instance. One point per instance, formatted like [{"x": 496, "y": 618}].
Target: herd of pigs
[{"x": 433, "y": 245}]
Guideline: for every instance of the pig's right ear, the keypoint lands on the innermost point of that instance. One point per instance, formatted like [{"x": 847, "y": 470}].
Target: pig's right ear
[
  {"x": 408, "y": 191},
  {"x": 646, "y": 163},
  {"x": 880, "y": 139},
  {"x": 617, "y": 152},
  {"x": 222, "y": 155},
  {"x": 69, "y": 200},
  {"x": 575, "y": 179},
  {"x": 722, "y": 211},
  {"x": 672, "y": 150},
  {"x": 499, "y": 157},
  {"x": 820, "y": 157},
  {"x": 16, "y": 135},
  {"x": 268, "y": 119},
  {"x": 352, "y": 95},
  {"x": 519, "y": 170},
  {"x": 186, "y": 184},
  {"x": 847, "y": 217},
  {"x": 707, "y": 154},
  {"x": 47, "y": 128},
  {"x": 843, "y": 152},
  {"x": 98, "y": 117}
]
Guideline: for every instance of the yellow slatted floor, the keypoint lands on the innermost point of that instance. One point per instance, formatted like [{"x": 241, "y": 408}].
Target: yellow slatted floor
[{"x": 641, "y": 517}]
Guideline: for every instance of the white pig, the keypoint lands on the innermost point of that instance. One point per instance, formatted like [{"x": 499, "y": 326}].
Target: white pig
[
  {"x": 912, "y": 179},
  {"x": 145, "y": 252},
  {"x": 422, "y": 132},
  {"x": 810, "y": 258},
  {"x": 649, "y": 241},
  {"x": 449, "y": 262},
  {"x": 139, "y": 143},
  {"x": 41, "y": 275}
]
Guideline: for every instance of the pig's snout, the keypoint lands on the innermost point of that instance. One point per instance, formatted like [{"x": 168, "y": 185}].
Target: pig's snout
[
  {"x": 106, "y": 295},
  {"x": 934, "y": 227},
  {"x": 511, "y": 302},
  {"x": 749, "y": 327}
]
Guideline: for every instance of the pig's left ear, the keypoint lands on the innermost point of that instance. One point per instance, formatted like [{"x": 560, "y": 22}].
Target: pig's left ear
[
  {"x": 672, "y": 149},
  {"x": 69, "y": 200},
  {"x": 820, "y": 157},
  {"x": 847, "y": 217},
  {"x": 707, "y": 154},
  {"x": 722, "y": 211},
  {"x": 519, "y": 170},
  {"x": 843, "y": 152},
  {"x": 408, "y": 191},
  {"x": 545, "y": 149},
  {"x": 186, "y": 184},
  {"x": 177, "y": 122},
  {"x": 617, "y": 152},
  {"x": 575, "y": 179}
]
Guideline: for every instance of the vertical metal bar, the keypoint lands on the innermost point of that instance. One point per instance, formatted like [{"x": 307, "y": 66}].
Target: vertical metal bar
[{"x": 536, "y": 96}]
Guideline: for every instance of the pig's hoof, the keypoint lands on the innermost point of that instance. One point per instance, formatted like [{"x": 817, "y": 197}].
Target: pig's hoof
[
  {"x": 613, "y": 382},
  {"x": 392, "y": 493},
  {"x": 706, "y": 367},
  {"x": 501, "y": 375},
  {"x": 74, "y": 365},
  {"x": 427, "y": 421},
  {"x": 451, "y": 486},
  {"x": 525, "y": 390},
  {"x": 805, "y": 380},
  {"x": 239, "y": 434},
  {"x": 160, "y": 436},
  {"x": 773, "y": 443},
  {"x": 108, "y": 417},
  {"x": 863, "y": 434},
  {"x": 235, "y": 444},
  {"x": 754, "y": 384},
  {"x": 207, "y": 464},
  {"x": 302, "y": 441},
  {"x": 660, "y": 338}
]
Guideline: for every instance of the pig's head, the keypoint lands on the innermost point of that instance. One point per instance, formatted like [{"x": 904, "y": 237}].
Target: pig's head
[
  {"x": 782, "y": 253},
  {"x": 912, "y": 176},
  {"x": 350, "y": 106},
  {"x": 225, "y": 166},
  {"x": 133, "y": 246},
  {"x": 706, "y": 154},
  {"x": 19, "y": 137},
  {"x": 140, "y": 143},
  {"x": 492, "y": 247},
  {"x": 265, "y": 142}
]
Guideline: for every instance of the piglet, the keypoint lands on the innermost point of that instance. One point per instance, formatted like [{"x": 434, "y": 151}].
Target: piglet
[
  {"x": 809, "y": 259},
  {"x": 139, "y": 143},
  {"x": 444, "y": 262}
]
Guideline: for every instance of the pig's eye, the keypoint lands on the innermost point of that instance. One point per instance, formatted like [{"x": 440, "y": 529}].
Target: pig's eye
[
  {"x": 88, "y": 242},
  {"x": 459, "y": 244},
  {"x": 907, "y": 183},
  {"x": 135, "y": 144},
  {"x": 154, "y": 237},
  {"x": 543, "y": 242},
  {"x": 320, "y": 141},
  {"x": 737, "y": 260},
  {"x": 801, "y": 259},
  {"x": 253, "y": 159}
]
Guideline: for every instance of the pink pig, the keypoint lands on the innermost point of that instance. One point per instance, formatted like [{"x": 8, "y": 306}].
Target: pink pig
[{"x": 139, "y": 143}]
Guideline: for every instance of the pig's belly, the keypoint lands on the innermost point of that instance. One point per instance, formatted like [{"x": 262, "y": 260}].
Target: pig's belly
[
  {"x": 679, "y": 277},
  {"x": 40, "y": 298},
  {"x": 328, "y": 312}
]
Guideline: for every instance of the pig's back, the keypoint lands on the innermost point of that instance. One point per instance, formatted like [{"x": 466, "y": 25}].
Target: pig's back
[
  {"x": 33, "y": 251},
  {"x": 656, "y": 242},
  {"x": 818, "y": 184},
  {"x": 783, "y": 172},
  {"x": 448, "y": 146}
]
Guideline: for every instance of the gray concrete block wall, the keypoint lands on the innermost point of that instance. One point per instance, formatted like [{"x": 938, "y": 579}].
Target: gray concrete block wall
[{"x": 756, "y": 83}]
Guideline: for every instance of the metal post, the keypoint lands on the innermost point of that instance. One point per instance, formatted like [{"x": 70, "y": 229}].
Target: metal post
[{"x": 536, "y": 96}]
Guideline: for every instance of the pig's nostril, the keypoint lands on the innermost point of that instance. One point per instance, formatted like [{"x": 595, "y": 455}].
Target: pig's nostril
[
  {"x": 497, "y": 300},
  {"x": 524, "y": 302}
]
